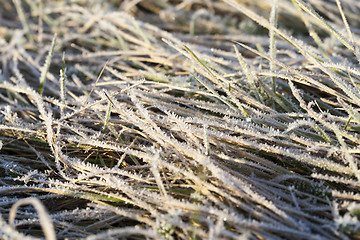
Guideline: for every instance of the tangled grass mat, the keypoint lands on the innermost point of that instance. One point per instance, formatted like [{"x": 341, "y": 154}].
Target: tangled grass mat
[{"x": 167, "y": 119}]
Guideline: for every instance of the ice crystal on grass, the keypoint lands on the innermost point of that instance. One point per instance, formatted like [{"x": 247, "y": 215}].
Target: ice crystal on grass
[{"x": 165, "y": 130}]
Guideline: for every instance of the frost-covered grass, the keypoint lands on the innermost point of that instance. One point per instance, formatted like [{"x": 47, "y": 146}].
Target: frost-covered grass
[{"x": 175, "y": 119}]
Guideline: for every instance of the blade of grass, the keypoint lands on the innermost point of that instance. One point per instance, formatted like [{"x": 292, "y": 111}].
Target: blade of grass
[
  {"x": 107, "y": 117},
  {"x": 273, "y": 22},
  {"x": 101, "y": 72},
  {"x": 326, "y": 26},
  {"x": 46, "y": 66},
  {"x": 311, "y": 30},
  {"x": 44, "y": 218},
  {"x": 23, "y": 21},
  {"x": 62, "y": 85}
]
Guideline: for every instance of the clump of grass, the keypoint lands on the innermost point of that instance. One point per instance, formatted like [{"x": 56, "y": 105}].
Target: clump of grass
[{"x": 167, "y": 121}]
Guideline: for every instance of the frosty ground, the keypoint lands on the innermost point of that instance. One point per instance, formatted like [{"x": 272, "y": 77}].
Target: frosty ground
[{"x": 168, "y": 119}]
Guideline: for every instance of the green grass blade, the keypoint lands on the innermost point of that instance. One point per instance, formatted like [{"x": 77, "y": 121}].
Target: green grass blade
[{"x": 46, "y": 66}]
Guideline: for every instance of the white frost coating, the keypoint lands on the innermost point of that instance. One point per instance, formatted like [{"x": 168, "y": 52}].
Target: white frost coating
[{"x": 167, "y": 180}]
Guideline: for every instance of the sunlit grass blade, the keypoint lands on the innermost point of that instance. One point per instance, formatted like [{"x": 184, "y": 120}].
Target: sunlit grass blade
[
  {"x": 46, "y": 66},
  {"x": 273, "y": 22}
]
